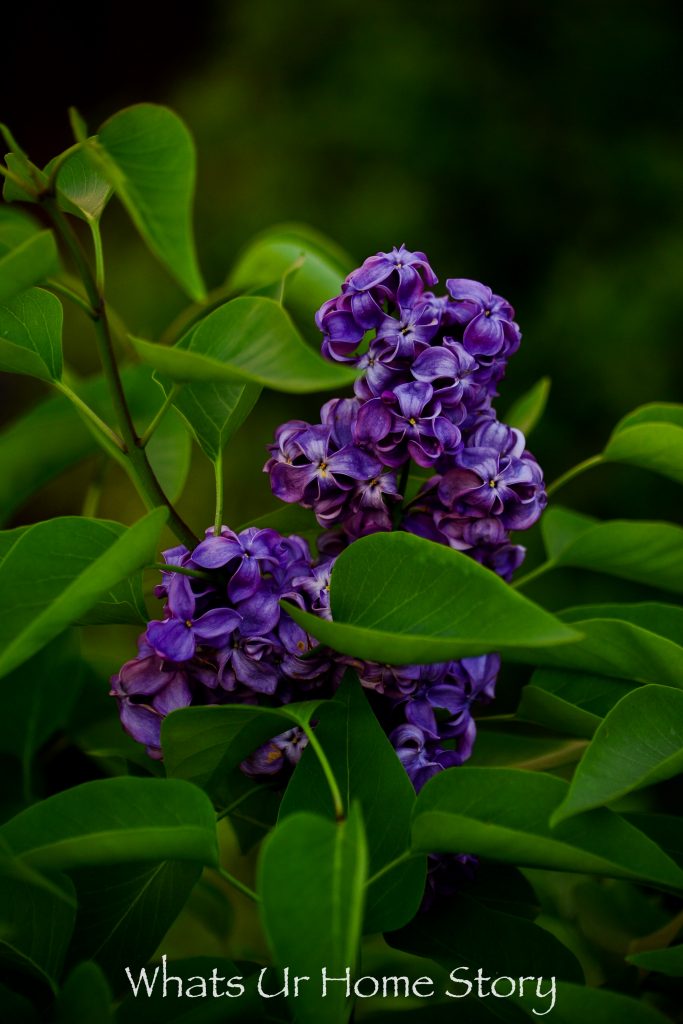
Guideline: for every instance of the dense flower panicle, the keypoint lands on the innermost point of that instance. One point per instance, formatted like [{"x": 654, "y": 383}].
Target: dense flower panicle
[{"x": 428, "y": 366}]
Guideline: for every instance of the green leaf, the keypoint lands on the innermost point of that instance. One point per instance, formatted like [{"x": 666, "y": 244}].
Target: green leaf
[
  {"x": 38, "y": 699},
  {"x": 202, "y": 744},
  {"x": 169, "y": 450},
  {"x": 645, "y": 552},
  {"x": 31, "y": 335},
  {"x": 59, "y": 570},
  {"x": 369, "y": 772},
  {"x": 663, "y": 961},
  {"x": 27, "y": 264},
  {"x": 600, "y": 1006},
  {"x": 85, "y": 997},
  {"x": 26, "y": 948},
  {"x": 525, "y": 413},
  {"x": 311, "y": 879},
  {"x": 651, "y": 437},
  {"x": 125, "y": 911},
  {"x": 147, "y": 155},
  {"x": 560, "y": 527},
  {"x": 81, "y": 189},
  {"x": 570, "y": 702},
  {"x": 503, "y": 813},
  {"x": 399, "y": 599},
  {"x": 640, "y": 742},
  {"x": 640, "y": 642},
  {"x": 323, "y": 267},
  {"x": 247, "y": 340},
  {"x": 11, "y": 192},
  {"x": 115, "y": 821},
  {"x": 514, "y": 745},
  {"x": 213, "y": 411},
  {"x": 464, "y": 932}
]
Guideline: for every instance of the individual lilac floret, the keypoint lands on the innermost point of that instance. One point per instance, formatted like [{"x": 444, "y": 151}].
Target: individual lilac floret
[
  {"x": 271, "y": 758},
  {"x": 401, "y": 272},
  {"x": 177, "y": 637},
  {"x": 246, "y": 554},
  {"x": 490, "y": 327},
  {"x": 147, "y": 689},
  {"x": 421, "y": 758}
]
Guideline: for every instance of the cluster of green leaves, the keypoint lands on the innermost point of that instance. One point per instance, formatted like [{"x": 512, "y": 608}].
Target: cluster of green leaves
[{"x": 565, "y": 798}]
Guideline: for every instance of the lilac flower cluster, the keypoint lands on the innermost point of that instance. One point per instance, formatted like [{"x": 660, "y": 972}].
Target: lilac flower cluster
[
  {"x": 428, "y": 369},
  {"x": 224, "y": 639},
  {"x": 423, "y": 401}
]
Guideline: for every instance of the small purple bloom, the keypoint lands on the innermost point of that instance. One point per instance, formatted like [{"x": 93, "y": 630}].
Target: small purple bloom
[
  {"x": 177, "y": 637},
  {"x": 147, "y": 689},
  {"x": 489, "y": 318},
  {"x": 404, "y": 273},
  {"x": 245, "y": 552},
  {"x": 421, "y": 759}
]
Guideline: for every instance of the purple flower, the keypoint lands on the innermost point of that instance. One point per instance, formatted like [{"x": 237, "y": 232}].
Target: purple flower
[
  {"x": 147, "y": 689},
  {"x": 176, "y": 638},
  {"x": 402, "y": 272},
  {"x": 490, "y": 319},
  {"x": 451, "y": 371},
  {"x": 493, "y": 485},
  {"x": 317, "y": 471},
  {"x": 246, "y": 552},
  {"x": 406, "y": 424},
  {"x": 272, "y": 756},
  {"x": 420, "y": 758}
]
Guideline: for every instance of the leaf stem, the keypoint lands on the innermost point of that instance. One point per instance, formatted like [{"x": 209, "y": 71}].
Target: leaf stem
[
  {"x": 166, "y": 567},
  {"x": 236, "y": 884},
  {"x": 70, "y": 294},
  {"x": 138, "y": 464},
  {"x": 99, "y": 254},
  {"x": 540, "y": 570},
  {"x": 402, "y": 859},
  {"x": 90, "y": 414},
  {"x": 218, "y": 471},
  {"x": 577, "y": 470},
  {"x": 327, "y": 771},
  {"x": 158, "y": 417}
]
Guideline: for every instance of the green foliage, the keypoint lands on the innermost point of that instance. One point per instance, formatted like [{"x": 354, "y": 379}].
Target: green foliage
[
  {"x": 203, "y": 744},
  {"x": 81, "y": 189},
  {"x": 115, "y": 821},
  {"x": 169, "y": 451},
  {"x": 664, "y": 961},
  {"x": 526, "y": 412},
  {"x": 570, "y": 702},
  {"x": 503, "y": 814},
  {"x": 27, "y": 263},
  {"x": 65, "y": 569},
  {"x": 319, "y": 269},
  {"x": 641, "y": 642},
  {"x": 124, "y": 913},
  {"x": 248, "y": 340},
  {"x": 37, "y": 952},
  {"x": 399, "y": 599},
  {"x": 615, "y": 764},
  {"x": 31, "y": 335},
  {"x": 147, "y": 155},
  {"x": 311, "y": 879},
  {"x": 650, "y": 437},
  {"x": 650, "y": 553},
  {"x": 364, "y": 761},
  {"x": 85, "y": 997}
]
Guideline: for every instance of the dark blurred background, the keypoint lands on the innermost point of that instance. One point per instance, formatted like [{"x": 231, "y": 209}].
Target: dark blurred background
[{"x": 534, "y": 146}]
